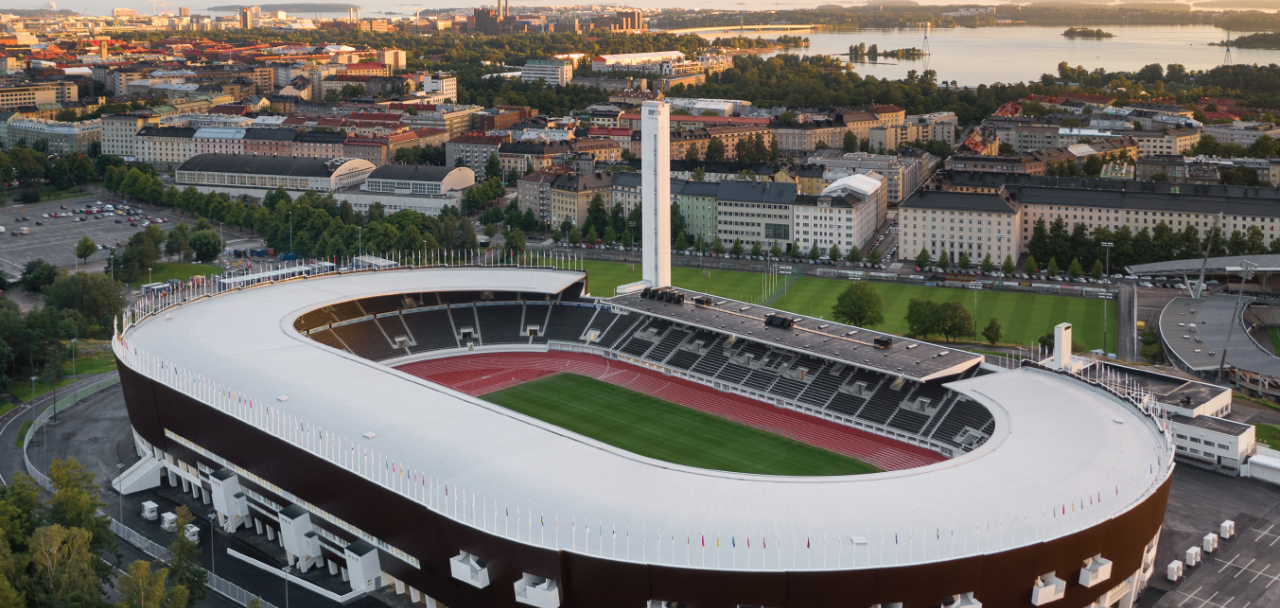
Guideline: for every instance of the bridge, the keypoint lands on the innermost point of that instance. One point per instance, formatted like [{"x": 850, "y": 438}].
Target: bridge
[{"x": 743, "y": 28}]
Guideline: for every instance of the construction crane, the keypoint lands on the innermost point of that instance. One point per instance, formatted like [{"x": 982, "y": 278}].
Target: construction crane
[
  {"x": 165, "y": 6},
  {"x": 153, "y": 7}
]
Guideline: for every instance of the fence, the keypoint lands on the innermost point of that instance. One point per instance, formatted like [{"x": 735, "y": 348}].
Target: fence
[{"x": 129, "y": 535}]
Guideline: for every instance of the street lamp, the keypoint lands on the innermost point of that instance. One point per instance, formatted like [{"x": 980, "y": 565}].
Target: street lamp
[
  {"x": 1108, "y": 246},
  {"x": 1246, "y": 273},
  {"x": 286, "y": 586},
  {"x": 73, "y": 357},
  {"x": 148, "y": 274}
]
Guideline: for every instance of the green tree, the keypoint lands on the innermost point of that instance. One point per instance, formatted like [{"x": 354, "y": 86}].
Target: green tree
[
  {"x": 854, "y": 255},
  {"x": 834, "y": 253},
  {"x": 715, "y": 151},
  {"x": 874, "y": 257},
  {"x": 36, "y": 275},
  {"x": 592, "y": 237},
  {"x": 611, "y": 237},
  {"x": 1030, "y": 266},
  {"x": 184, "y": 566},
  {"x": 76, "y": 504},
  {"x": 515, "y": 241},
  {"x": 993, "y": 332},
  {"x": 716, "y": 245},
  {"x": 144, "y": 587},
  {"x": 626, "y": 238},
  {"x": 964, "y": 260},
  {"x": 922, "y": 318},
  {"x": 97, "y": 297},
  {"x": 177, "y": 244},
  {"x": 944, "y": 260},
  {"x": 756, "y": 249},
  {"x": 1053, "y": 267},
  {"x": 814, "y": 254},
  {"x": 62, "y": 564},
  {"x": 691, "y": 155},
  {"x": 736, "y": 249},
  {"x": 923, "y": 259},
  {"x": 1007, "y": 267},
  {"x": 1096, "y": 273},
  {"x": 206, "y": 244},
  {"x": 987, "y": 265},
  {"x": 1074, "y": 270},
  {"x": 955, "y": 320},
  {"x": 859, "y": 304},
  {"x": 682, "y": 242},
  {"x": 575, "y": 237},
  {"x": 85, "y": 248},
  {"x": 850, "y": 143}
]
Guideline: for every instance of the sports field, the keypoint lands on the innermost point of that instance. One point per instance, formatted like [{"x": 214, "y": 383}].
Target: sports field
[
  {"x": 665, "y": 431},
  {"x": 1024, "y": 317}
]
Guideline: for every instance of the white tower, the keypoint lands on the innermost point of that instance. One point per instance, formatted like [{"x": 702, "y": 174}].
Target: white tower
[{"x": 655, "y": 192}]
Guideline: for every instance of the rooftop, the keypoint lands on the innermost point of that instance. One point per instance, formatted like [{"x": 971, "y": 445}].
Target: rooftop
[{"x": 264, "y": 165}]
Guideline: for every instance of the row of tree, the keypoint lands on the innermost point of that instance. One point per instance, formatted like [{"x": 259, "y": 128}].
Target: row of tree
[
  {"x": 61, "y": 552},
  {"x": 860, "y": 305},
  {"x": 1158, "y": 244}
]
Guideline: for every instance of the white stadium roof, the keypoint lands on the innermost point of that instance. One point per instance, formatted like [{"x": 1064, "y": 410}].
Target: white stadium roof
[{"x": 1058, "y": 445}]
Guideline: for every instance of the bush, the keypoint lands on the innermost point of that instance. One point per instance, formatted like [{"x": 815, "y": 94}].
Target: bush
[{"x": 30, "y": 194}]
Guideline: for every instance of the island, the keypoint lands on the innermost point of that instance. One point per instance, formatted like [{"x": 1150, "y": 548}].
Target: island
[
  {"x": 1262, "y": 40},
  {"x": 300, "y": 7},
  {"x": 1084, "y": 32}
]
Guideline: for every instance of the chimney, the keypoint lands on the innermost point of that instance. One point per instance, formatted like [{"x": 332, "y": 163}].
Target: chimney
[{"x": 1061, "y": 347}]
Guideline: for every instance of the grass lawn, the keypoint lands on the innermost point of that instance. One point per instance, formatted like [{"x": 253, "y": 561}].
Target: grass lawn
[
  {"x": 21, "y": 387},
  {"x": 163, "y": 271},
  {"x": 1268, "y": 434},
  {"x": 97, "y": 363},
  {"x": 1023, "y": 316},
  {"x": 22, "y": 434},
  {"x": 665, "y": 431}
]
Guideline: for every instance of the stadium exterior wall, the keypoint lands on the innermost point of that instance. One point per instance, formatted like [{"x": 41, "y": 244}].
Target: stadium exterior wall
[{"x": 1001, "y": 579}]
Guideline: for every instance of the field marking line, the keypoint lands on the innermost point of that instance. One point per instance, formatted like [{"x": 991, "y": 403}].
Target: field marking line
[
  {"x": 1264, "y": 569},
  {"x": 1193, "y": 594},
  {"x": 1228, "y": 563},
  {"x": 1264, "y": 533},
  {"x": 1245, "y": 567}
]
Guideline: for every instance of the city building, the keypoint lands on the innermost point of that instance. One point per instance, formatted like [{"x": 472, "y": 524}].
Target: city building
[
  {"x": 635, "y": 62},
  {"x": 755, "y": 212},
  {"x": 13, "y": 97},
  {"x": 237, "y": 174},
  {"x": 1238, "y": 132},
  {"x": 551, "y": 71},
  {"x": 805, "y": 137},
  {"x": 164, "y": 147},
  {"x": 61, "y": 137},
  {"x": 394, "y": 59},
  {"x": 474, "y": 149}
]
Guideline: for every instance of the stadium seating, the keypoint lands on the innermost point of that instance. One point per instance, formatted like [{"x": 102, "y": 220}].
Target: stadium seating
[
  {"x": 926, "y": 410},
  {"x": 431, "y": 329},
  {"x": 501, "y": 324}
]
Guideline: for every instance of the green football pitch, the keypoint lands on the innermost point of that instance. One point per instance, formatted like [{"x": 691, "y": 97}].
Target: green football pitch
[
  {"x": 1024, "y": 317},
  {"x": 665, "y": 431}
]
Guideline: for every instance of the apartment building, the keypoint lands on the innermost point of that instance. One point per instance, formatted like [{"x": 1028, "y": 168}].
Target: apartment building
[
  {"x": 846, "y": 213},
  {"x": 395, "y": 59},
  {"x": 755, "y": 212},
  {"x": 521, "y": 156},
  {"x": 16, "y": 96},
  {"x": 1167, "y": 141},
  {"x": 119, "y": 132},
  {"x": 1241, "y": 132},
  {"x": 372, "y": 149},
  {"x": 61, "y": 137},
  {"x": 1028, "y": 165},
  {"x": 164, "y": 147},
  {"x": 697, "y": 202},
  {"x": 320, "y": 144},
  {"x": 938, "y": 126},
  {"x": 269, "y": 142},
  {"x": 903, "y": 173},
  {"x": 551, "y": 71},
  {"x": 803, "y": 137},
  {"x": 956, "y": 223},
  {"x": 452, "y": 118},
  {"x": 217, "y": 140},
  {"x": 474, "y": 149},
  {"x": 570, "y": 194}
]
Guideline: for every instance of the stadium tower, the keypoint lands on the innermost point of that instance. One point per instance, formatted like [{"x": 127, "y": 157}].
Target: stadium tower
[{"x": 655, "y": 186}]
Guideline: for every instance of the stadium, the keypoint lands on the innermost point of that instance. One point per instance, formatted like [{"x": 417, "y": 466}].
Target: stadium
[
  {"x": 470, "y": 432},
  {"x": 322, "y": 410}
]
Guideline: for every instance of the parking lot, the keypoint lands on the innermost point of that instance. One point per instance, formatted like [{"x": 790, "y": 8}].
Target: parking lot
[{"x": 54, "y": 241}]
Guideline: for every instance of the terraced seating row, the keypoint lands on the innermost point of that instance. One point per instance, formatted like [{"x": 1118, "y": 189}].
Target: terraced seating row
[
  {"x": 568, "y": 322},
  {"x": 366, "y": 339},
  {"x": 501, "y": 324}
]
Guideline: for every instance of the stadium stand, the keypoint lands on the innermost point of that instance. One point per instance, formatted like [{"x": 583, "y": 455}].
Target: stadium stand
[{"x": 928, "y": 411}]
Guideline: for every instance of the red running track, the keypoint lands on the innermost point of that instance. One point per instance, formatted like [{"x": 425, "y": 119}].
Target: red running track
[{"x": 480, "y": 374}]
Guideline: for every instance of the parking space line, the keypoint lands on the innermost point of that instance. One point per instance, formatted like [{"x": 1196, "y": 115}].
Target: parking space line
[
  {"x": 1220, "y": 570},
  {"x": 1244, "y": 567},
  {"x": 1224, "y": 604},
  {"x": 1202, "y": 604},
  {"x": 1193, "y": 594},
  {"x": 1264, "y": 569},
  {"x": 1264, "y": 533}
]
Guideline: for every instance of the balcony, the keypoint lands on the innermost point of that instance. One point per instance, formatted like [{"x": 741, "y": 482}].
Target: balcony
[
  {"x": 537, "y": 591},
  {"x": 470, "y": 569},
  {"x": 1048, "y": 588},
  {"x": 1096, "y": 569}
]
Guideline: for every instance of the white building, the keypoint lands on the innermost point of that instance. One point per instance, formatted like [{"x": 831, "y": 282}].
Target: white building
[
  {"x": 845, "y": 214},
  {"x": 634, "y": 62},
  {"x": 552, "y": 71},
  {"x": 61, "y": 137},
  {"x": 238, "y": 174}
]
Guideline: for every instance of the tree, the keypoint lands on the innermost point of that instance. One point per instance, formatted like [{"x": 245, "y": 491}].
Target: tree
[
  {"x": 206, "y": 244},
  {"x": 834, "y": 253},
  {"x": 97, "y": 297},
  {"x": 854, "y": 255},
  {"x": 814, "y": 254},
  {"x": 1053, "y": 267},
  {"x": 76, "y": 504},
  {"x": 575, "y": 237},
  {"x": 143, "y": 587},
  {"x": 85, "y": 248},
  {"x": 955, "y": 320},
  {"x": 36, "y": 275},
  {"x": 610, "y": 236},
  {"x": 850, "y": 143},
  {"x": 691, "y": 155},
  {"x": 1030, "y": 266},
  {"x": 682, "y": 242},
  {"x": 715, "y": 151},
  {"x": 592, "y": 237},
  {"x": 923, "y": 259},
  {"x": 859, "y": 304},
  {"x": 512, "y": 177},
  {"x": 736, "y": 249},
  {"x": 921, "y": 317},
  {"x": 874, "y": 257},
  {"x": 515, "y": 241},
  {"x": 184, "y": 566},
  {"x": 177, "y": 243},
  {"x": 993, "y": 331},
  {"x": 63, "y": 564},
  {"x": 775, "y": 251},
  {"x": 756, "y": 250},
  {"x": 944, "y": 260},
  {"x": 1096, "y": 273},
  {"x": 459, "y": 162},
  {"x": 1074, "y": 270},
  {"x": 626, "y": 238},
  {"x": 716, "y": 245},
  {"x": 987, "y": 265},
  {"x": 964, "y": 260},
  {"x": 1007, "y": 267}
]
